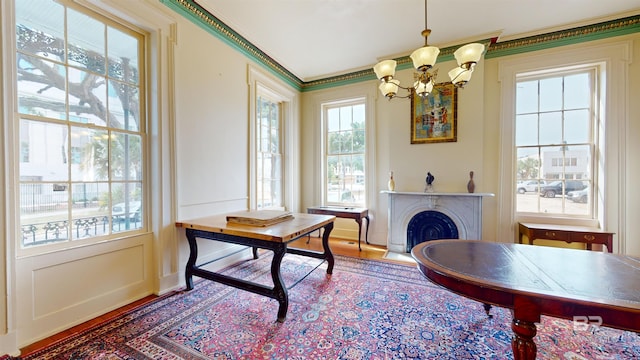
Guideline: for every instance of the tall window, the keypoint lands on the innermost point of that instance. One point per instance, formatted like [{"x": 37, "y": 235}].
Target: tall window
[
  {"x": 344, "y": 168},
  {"x": 80, "y": 124},
  {"x": 269, "y": 153},
  {"x": 555, "y": 142}
]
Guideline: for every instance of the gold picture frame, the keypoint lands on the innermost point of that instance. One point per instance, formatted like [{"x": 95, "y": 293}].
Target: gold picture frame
[{"x": 434, "y": 119}]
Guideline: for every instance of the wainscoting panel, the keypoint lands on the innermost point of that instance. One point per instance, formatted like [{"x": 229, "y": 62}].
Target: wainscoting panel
[{"x": 58, "y": 290}]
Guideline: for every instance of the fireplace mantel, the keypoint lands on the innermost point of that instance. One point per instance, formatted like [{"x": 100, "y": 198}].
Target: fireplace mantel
[{"x": 465, "y": 209}]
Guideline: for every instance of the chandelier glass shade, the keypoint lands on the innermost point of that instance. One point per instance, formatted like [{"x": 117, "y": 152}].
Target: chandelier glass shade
[{"x": 423, "y": 60}]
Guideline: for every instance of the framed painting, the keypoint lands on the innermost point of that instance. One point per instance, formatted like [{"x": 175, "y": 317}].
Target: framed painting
[{"x": 434, "y": 119}]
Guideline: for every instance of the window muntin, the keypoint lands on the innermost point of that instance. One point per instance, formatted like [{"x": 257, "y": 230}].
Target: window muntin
[
  {"x": 269, "y": 170},
  {"x": 80, "y": 120},
  {"x": 344, "y": 159},
  {"x": 555, "y": 140}
]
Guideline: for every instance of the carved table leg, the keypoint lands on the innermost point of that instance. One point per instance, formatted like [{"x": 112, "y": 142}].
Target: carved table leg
[
  {"x": 193, "y": 256},
  {"x": 325, "y": 246},
  {"x": 279, "y": 289},
  {"x": 524, "y": 348}
]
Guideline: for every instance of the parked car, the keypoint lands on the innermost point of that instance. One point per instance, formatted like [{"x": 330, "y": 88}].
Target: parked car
[
  {"x": 580, "y": 196},
  {"x": 118, "y": 211},
  {"x": 556, "y": 188},
  {"x": 528, "y": 186}
]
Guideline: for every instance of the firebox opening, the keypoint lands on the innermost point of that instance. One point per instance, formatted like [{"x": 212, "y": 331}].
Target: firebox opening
[{"x": 430, "y": 225}]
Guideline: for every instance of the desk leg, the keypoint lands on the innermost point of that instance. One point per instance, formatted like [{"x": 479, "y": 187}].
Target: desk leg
[
  {"x": 359, "y": 221},
  {"x": 325, "y": 246},
  {"x": 193, "y": 256},
  {"x": 366, "y": 234},
  {"x": 279, "y": 289}
]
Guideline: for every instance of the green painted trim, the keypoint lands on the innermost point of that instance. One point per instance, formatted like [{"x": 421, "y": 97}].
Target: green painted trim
[
  {"x": 199, "y": 16},
  {"x": 619, "y": 27}
]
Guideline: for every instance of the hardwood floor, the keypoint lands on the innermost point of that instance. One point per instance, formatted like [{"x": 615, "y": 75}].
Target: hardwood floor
[{"x": 338, "y": 246}]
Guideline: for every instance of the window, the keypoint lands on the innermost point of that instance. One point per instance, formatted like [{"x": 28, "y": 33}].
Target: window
[
  {"x": 555, "y": 141},
  {"x": 80, "y": 121},
  {"x": 269, "y": 154},
  {"x": 344, "y": 153}
]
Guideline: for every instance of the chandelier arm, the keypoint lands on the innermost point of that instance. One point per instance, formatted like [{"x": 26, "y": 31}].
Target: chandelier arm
[{"x": 460, "y": 73}]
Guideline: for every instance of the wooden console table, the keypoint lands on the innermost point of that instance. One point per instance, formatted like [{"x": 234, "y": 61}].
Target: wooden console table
[
  {"x": 566, "y": 233},
  {"x": 354, "y": 213}
]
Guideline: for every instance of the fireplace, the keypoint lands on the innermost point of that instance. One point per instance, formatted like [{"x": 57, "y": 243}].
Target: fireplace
[
  {"x": 416, "y": 217},
  {"x": 430, "y": 225}
]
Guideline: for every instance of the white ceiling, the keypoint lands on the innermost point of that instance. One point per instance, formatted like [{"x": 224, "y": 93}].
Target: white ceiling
[{"x": 318, "y": 38}]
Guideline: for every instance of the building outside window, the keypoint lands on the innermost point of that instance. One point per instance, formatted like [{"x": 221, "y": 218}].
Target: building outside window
[
  {"x": 344, "y": 153},
  {"x": 555, "y": 142},
  {"x": 80, "y": 122}
]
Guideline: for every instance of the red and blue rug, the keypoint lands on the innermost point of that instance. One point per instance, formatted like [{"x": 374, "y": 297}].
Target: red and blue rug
[{"x": 366, "y": 310}]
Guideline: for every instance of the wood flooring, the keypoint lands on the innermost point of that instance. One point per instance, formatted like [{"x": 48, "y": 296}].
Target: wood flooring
[{"x": 338, "y": 246}]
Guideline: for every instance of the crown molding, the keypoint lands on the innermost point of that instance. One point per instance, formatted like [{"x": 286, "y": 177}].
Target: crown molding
[{"x": 201, "y": 17}]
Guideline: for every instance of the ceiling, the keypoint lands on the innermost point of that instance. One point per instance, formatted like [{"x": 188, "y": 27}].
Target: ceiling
[{"x": 315, "y": 39}]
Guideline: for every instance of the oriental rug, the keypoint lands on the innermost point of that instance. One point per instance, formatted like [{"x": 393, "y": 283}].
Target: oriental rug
[{"x": 365, "y": 310}]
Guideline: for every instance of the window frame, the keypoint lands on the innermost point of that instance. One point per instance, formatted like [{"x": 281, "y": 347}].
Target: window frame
[
  {"x": 15, "y": 130},
  {"x": 262, "y": 83},
  {"x": 565, "y": 160},
  {"x": 263, "y": 93},
  {"x": 338, "y": 104},
  {"x": 613, "y": 58}
]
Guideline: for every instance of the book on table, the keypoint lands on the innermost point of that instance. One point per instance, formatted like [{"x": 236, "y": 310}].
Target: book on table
[{"x": 259, "y": 217}]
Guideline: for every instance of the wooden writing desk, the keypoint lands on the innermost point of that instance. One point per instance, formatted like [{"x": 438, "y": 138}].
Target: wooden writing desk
[
  {"x": 537, "y": 280},
  {"x": 274, "y": 238},
  {"x": 566, "y": 233},
  {"x": 354, "y": 213}
]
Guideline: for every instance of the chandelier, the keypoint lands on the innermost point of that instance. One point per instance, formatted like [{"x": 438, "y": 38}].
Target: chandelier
[{"x": 423, "y": 60}]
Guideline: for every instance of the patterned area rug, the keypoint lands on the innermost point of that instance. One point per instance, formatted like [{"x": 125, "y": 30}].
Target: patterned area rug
[{"x": 365, "y": 310}]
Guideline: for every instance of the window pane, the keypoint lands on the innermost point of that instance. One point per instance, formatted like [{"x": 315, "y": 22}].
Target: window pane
[
  {"x": 124, "y": 106},
  {"x": 40, "y": 28},
  {"x": 126, "y": 157},
  {"x": 551, "y": 128},
  {"x": 577, "y": 91},
  {"x": 333, "y": 120},
  {"x": 87, "y": 104},
  {"x": 526, "y": 130},
  {"x": 90, "y": 210},
  {"x": 551, "y": 94},
  {"x": 89, "y": 155},
  {"x": 126, "y": 211},
  {"x": 527, "y": 97},
  {"x": 345, "y": 118},
  {"x": 43, "y": 218},
  {"x": 123, "y": 56},
  {"x": 577, "y": 127},
  {"x": 41, "y": 87},
  {"x": 86, "y": 46},
  {"x": 47, "y": 145}
]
